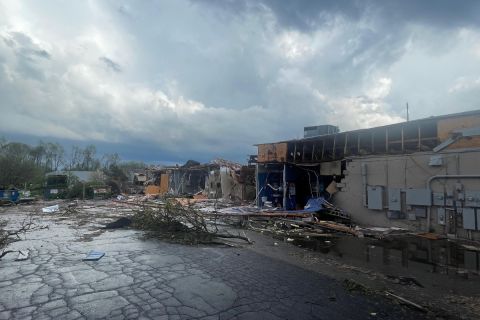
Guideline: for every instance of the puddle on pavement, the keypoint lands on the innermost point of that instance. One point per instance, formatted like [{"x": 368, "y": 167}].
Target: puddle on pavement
[{"x": 427, "y": 260}]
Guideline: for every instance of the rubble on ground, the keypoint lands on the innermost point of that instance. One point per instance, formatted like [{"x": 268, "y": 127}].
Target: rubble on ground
[{"x": 206, "y": 221}]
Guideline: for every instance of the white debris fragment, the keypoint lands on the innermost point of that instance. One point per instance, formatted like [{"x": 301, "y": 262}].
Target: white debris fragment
[
  {"x": 22, "y": 255},
  {"x": 51, "y": 209}
]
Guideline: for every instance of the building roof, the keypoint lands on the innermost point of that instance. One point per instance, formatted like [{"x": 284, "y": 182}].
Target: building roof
[
  {"x": 83, "y": 176},
  {"x": 411, "y": 122}
]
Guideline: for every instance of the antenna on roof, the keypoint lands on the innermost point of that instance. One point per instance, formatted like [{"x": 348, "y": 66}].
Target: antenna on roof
[{"x": 408, "y": 117}]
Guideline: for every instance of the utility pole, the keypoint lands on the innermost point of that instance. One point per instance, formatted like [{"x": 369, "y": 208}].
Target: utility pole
[{"x": 408, "y": 117}]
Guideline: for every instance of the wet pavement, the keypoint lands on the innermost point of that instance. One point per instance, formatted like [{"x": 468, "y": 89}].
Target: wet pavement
[
  {"x": 443, "y": 262},
  {"x": 147, "y": 278}
]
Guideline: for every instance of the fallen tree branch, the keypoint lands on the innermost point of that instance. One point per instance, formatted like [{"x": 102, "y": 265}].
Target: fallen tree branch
[
  {"x": 7, "y": 236},
  {"x": 232, "y": 236},
  {"x": 178, "y": 222}
]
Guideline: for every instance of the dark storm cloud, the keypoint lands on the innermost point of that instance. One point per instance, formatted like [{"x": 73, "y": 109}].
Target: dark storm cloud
[
  {"x": 305, "y": 15},
  {"x": 211, "y": 78},
  {"x": 309, "y": 15},
  {"x": 439, "y": 13},
  {"x": 111, "y": 64},
  {"x": 24, "y": 46}
]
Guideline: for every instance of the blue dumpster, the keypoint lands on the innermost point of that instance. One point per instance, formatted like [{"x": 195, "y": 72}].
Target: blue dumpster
[{"x": 9, "y": 195}]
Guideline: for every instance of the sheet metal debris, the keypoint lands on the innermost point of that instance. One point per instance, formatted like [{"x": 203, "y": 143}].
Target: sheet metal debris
[
  {"x": 94, "y": 256},
  {"x": 51, "y": 209}
]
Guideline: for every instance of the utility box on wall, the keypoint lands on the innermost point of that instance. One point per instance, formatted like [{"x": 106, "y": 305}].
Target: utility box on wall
[
  {"x": 438, "y": 199},
  {"x": 472, "y": 199},
  {"x": 394, "y": 199},
  {"x": 469, "y": 219},
  {"x": 375, "y": 197},
  {"x": 419, "y": 197},
  {"x": 441, "y": 217}
]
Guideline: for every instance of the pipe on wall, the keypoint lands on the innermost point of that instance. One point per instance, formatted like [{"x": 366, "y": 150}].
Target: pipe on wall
[
  {"x": 285, "y": 186},
  {"x": 364, "y": 183},
  {"x": 445, "y": 176}
]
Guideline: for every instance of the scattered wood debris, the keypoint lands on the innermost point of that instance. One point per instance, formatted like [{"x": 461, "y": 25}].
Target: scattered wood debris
[
  {"x": 431, "y": 236},
  {"x": 406, "y": 302},
  {"x": 179, "y": 223},
  {"x": 404, "y": 280},
  {"x": 354, "y": 286}
]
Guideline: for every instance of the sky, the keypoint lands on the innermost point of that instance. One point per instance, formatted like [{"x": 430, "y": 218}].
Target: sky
[{"x": 171, "y": 80}]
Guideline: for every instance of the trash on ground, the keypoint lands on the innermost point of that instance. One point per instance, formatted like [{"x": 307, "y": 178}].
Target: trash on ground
[
  {"x": 94, "y": 256},
  {"x": 406, "y": 302},
  {"x": 22, "y": 255},
  {"x": 120, "y": 223},
  {"x": 51, "y": 209},
  {"x": 404, "y": 280},
  {"x": 354, "y": 286},
  {"x": 379, "y": 232}
]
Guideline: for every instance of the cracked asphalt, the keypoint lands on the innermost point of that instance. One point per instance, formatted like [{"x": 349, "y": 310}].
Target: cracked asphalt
[{"x": 142, "y": 278}]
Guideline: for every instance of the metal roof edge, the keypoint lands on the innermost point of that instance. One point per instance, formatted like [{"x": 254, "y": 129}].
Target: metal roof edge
[{"x": 440, "y": 117}]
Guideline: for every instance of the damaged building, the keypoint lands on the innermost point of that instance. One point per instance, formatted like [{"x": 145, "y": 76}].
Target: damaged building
[
  {"x": 422, "y": 175},
  {"x": 218, "y": 179},
  {"x": 58, "y": 184}
]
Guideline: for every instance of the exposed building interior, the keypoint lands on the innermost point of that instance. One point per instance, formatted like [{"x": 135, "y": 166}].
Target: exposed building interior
[{"x": 398, "y": 174}]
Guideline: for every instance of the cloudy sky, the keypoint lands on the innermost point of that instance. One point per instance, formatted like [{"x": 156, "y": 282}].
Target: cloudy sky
[{"x": 171, "y": 80}]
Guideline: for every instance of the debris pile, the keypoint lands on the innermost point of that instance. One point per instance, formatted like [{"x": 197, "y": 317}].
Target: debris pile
[
  {"x": 8, "y": 236},
  {"x": 176, "y": 222},
  {"x": 318, "y": 219}
]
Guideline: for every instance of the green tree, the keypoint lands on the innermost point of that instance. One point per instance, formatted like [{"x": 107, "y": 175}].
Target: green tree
[{"x": 17, "y": 166}]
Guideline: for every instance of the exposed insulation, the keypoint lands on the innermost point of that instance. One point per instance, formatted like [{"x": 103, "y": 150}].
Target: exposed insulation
[
  {"x": 272, "y": 152},
  {"x": 447, "y": 126}
]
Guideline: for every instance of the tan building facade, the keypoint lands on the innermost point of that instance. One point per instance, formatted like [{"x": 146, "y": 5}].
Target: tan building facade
[
  {"x": 423, "y": 175},
  {"x": 426, "y": 191}
]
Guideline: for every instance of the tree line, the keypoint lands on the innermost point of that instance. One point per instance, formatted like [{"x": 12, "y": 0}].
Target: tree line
[{"x": 26, "y": 165}]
